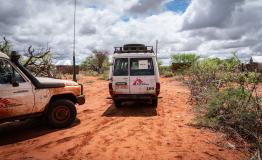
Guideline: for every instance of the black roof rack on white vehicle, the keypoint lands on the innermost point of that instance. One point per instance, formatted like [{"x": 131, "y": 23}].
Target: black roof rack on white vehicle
[{"x": 134, "y": 48}]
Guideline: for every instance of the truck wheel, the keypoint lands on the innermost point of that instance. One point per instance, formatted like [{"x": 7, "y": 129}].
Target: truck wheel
[
  {"x": 61, "y": 113},
  {"x": 117, "y": 103},
  {"x": 154, "y": 102}
]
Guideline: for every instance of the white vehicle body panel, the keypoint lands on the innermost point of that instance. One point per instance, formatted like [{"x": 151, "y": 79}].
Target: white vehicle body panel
[
  {"x": 142, "y": 84},
  {"x": 121, "y": 84},
  {"x": 16, "y": 101},
  {"x": 42, "y": 96}
]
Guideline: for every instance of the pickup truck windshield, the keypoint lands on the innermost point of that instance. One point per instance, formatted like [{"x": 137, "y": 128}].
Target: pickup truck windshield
[{"x": 141, "y": 66}]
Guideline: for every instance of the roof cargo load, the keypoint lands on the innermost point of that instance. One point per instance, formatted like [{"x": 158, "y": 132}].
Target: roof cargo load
[{"x": 134, "y": 48}]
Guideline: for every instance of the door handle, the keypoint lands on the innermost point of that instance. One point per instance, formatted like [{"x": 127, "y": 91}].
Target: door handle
[{"x": 21, "y": 91}]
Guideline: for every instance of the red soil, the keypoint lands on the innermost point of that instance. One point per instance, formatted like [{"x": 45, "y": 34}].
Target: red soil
[{"x": 135, "y": 131}]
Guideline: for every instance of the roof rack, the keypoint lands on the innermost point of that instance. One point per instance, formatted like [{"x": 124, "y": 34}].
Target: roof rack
[{"x": 134, "y": 48}]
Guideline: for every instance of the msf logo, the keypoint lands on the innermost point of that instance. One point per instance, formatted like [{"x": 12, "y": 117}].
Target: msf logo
[
  {"x": 4, "y": 102},
  {"x": 7, "y": 103},
  {"x": 139, "y": 82}
]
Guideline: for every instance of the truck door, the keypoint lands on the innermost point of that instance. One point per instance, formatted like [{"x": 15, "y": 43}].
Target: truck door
[
  {"x": 142, "y": 76},
  {"x": 15, "y": 99},
  {"x": 120, "y": 76}
]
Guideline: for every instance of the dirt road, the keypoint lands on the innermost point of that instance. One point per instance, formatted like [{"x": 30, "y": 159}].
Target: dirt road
[{"x": 135, "y": 132}]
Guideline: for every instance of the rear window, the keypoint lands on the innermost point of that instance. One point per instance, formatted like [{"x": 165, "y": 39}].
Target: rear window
[
  {"x": 121, "y": 67},
  {"x": 141, "y": 66}
]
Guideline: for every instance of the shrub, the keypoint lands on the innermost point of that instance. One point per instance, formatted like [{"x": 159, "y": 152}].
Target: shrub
[
  {"x": 168, "y": 74},
  {"x": 163, "y": 69},
  {"x": 225, "y": 95},
  {"x": 233, "y": 107},
  {"x": 181, "y": 62},
  {"x": 97, "y": 62},
  {"x": 104, "y": 76}
]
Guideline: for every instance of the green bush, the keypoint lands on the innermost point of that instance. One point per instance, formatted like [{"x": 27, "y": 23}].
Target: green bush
[
  {"x": 163, "y": 69},
  {"x": 168, "y": 74},
  {"x": 98, "y": 62},
  {"x": 225, "y": 95},
  {"x": 232, "y": 106},
  {"x": 104, "y": 76}
]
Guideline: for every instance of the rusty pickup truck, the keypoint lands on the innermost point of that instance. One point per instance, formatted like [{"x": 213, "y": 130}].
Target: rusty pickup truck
[{"x": 23, "y": 95}]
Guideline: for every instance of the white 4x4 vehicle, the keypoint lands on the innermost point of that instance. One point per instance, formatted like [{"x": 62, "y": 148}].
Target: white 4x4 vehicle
[
  {"x": 134, "y": 74},
  {"x": 24, "y": 96}
]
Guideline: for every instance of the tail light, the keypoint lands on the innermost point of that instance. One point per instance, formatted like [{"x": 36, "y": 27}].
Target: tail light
[
  {"x": 157, "y": 88},
  {"x": 110, "y": 88}
]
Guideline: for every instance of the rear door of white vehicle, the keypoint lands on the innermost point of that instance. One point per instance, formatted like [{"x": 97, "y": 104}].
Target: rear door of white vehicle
[
  {"x": 121, "y": 76},
  {"x": 142, "y": 76}
]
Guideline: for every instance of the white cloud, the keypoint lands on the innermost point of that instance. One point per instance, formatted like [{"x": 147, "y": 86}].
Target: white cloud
[
  {"x": 210, "y": 13},
  {"x": 147, "y": 7},
  {"x": 208, "y": 27}
]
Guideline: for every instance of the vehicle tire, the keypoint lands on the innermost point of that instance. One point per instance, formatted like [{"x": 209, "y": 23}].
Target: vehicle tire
[
  {"x": 61, "y": 113},
  {"x": 154, "y": 102},
  {"x": 118, "y": 103}
]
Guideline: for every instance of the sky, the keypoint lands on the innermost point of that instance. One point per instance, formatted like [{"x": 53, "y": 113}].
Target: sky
[{"x": 209, "y": 28}]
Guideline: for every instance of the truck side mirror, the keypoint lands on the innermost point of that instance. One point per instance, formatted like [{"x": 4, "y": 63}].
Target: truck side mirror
[
  {"x": 12, "y": 79},
  {"x": 14, "y": 83}
]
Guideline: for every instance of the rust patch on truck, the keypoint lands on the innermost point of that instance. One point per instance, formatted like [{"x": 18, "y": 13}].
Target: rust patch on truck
[{"x": 75, "y": 90}]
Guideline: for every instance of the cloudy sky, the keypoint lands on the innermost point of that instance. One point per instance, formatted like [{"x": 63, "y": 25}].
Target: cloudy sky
[{"x": 210, "y": 28}]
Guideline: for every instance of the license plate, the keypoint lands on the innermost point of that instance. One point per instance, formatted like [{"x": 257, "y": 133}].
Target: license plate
[{"x": 121, "y": 85}]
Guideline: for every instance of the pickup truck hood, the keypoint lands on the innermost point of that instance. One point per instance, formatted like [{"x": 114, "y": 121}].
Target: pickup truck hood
[{"x": 53, "y": 80}]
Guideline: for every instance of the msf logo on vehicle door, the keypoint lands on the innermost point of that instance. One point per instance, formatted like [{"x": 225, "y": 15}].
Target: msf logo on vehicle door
[
  {"x": 8, "y": 103},
  {"x": 139, "y": 82}
]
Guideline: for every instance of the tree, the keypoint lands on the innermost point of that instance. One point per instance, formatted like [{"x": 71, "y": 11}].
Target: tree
[
  {"x": 5, "y": 46},
  {"x": 97, "y": 61},
  {"x": 38, "y": 62}
]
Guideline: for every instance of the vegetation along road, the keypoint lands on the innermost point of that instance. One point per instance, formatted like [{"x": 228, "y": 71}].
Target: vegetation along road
[{"x": 135, "y": 131}]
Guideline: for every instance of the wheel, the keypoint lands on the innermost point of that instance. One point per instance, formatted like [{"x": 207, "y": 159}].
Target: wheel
[
  {"x": 154, "y": 102},
  {"x": 117, "y": 103},
  {"x": 61, "y": 113}
]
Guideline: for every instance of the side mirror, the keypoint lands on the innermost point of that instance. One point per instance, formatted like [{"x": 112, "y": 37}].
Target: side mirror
[
  {"x": 12, "y": 80},
  {"x": 15, "y": 84}
]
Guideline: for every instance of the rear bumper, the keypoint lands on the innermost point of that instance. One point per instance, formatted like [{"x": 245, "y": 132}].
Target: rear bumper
[
  {"x": 80, "y": 99},
  {"x": 134, "y": 97}
]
